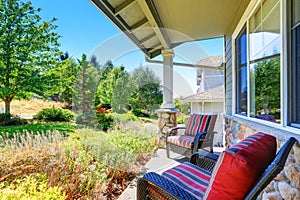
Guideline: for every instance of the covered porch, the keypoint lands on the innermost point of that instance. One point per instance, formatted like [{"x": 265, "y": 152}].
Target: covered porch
[{"x": 156, "y": 27}]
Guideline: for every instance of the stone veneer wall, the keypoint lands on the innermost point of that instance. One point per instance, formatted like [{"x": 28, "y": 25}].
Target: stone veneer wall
[
  {"x": 287, "y": 184},
  {"x": 166, "y": 119}
]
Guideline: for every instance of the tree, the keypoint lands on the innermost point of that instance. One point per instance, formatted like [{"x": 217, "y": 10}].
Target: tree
[
  {"x": 122, "y": 93},
  {"x": 85, "y": 89},
  {"x": 182, "y": 107},
  {"x": 107, "y": 83},
  {"x": 147, "y": 91},
  {"x": 64, "y": 76},
  {"x": 29, "y": 48},
  {"x": 267, "y": 85}
]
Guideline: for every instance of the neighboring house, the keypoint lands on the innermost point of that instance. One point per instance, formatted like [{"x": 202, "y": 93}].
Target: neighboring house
[
  {"x": 210, "y": 96},
  {"x": 207, "y": 78},
  {"x": 262, "y": 62},
  {"x": 209, "y": 101}
]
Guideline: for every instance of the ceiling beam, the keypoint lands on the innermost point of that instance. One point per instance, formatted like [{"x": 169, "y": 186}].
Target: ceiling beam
[
  {"x": 155, "y": 53},
  {"x": 148, "y": 37},
  {"x": 108, "y": 10},
  {"x": 139, "y": 24},
  {"x": 123, "y": 6},
  {"x": 158, "y": 28}
]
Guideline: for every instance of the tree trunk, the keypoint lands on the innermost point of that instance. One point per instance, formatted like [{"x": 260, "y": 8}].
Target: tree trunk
[{"x": 7, "y": 101}]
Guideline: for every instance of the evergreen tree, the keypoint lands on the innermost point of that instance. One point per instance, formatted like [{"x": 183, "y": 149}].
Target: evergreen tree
[{"x": 85, "y": 89}]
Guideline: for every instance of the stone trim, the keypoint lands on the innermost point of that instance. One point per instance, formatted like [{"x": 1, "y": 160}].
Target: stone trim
[{"x": 277, "y": 130}]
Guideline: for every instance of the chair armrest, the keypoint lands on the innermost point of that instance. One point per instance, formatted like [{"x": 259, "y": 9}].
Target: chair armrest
[
  {"x": 203, "y": 140},
  {"x": 160, "y": 188},
  {"x": 173, "y": 129},
  {"x": 199, "y": 137},
  {"x": 204, "y": 160}
]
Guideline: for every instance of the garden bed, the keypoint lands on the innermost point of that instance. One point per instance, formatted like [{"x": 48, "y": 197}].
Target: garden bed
[{"x": 86, "y": 164}]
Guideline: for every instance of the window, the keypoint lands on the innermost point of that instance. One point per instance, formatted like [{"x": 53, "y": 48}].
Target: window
[
  {"x": 295, "y": 64},
  {"x": 241, "y": 63},
  {"x": 262, "y": 101}
]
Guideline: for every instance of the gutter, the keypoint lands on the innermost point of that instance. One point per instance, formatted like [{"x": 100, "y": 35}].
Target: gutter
[{"x": 219, "y": 68}]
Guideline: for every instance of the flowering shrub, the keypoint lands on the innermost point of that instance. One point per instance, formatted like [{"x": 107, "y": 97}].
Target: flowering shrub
[{"x": 105, "y": 118}]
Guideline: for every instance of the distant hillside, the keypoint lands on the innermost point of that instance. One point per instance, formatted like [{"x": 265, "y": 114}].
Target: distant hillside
[{"x": 26, "y": 108}]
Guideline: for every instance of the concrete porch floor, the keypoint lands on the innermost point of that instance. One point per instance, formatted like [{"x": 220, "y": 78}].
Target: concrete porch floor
[{"x": 158, "y": 163}]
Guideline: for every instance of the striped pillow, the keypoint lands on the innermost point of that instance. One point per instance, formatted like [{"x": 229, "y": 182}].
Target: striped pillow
[
  {"x": 239, "y": 167},
  {"x": 200, "y": 123},
  {"x": 189, "y": 177}
]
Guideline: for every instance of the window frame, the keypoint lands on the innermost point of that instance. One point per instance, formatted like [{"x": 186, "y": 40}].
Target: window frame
[
  {"x": 238, "y": 69},
  {"x": 294, "y": 94},
  {"x": 245, "y": 23},
  {"x": 285, "y": 66}
]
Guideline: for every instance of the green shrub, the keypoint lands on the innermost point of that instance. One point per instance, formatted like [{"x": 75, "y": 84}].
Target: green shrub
[
  {"x": 87, "y": 119},
  {"x": 182, "y": 118},
  {"x": 118, "y": 150},
  {"x": 186, "y": 120},
  {"x": 106, "y": 121},
  {"x": 137, "y": 112},
  {"x": 125, "y": 117},
  {"x": 30, "y": 187},
  {"x": 54, "y": 115},
  {"x": 11, "y": 120}
]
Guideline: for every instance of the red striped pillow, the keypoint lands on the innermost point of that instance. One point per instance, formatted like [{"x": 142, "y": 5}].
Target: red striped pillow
[
  {"x": 240, "y": 166},
  {"x": 200, "y": 123}
]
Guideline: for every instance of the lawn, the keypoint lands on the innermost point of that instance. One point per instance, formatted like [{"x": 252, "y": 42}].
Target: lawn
[{"x": 36, "y": 128}]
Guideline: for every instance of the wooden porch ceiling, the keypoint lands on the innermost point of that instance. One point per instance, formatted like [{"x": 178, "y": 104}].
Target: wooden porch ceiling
[{"x": 154, "y": 25}]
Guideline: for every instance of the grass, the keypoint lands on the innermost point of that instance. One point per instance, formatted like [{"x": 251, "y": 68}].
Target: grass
[
  {"x": 62, "y": 127},
  {"x": 27, "y": 108}
]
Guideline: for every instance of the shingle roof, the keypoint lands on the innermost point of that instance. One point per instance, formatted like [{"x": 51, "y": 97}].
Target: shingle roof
[
  {"x": 211, "y": 61},
  {"x": 212, "y": 95}
]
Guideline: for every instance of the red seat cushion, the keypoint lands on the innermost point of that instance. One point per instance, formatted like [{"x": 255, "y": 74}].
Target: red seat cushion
[
  {"x": 239, "y": 167},
  {"x": 190, "y": 178},
  {"x": 200, "y": 123},
  {"x": 182, "y": 140}
]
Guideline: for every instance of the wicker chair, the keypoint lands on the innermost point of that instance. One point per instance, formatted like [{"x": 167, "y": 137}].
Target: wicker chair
[
  {"x": 198, "y": 135},
  {"x": 155, "y": 186}
]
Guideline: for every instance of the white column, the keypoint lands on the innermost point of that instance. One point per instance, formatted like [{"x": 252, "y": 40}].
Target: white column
[{"x": 168, "y": 78}]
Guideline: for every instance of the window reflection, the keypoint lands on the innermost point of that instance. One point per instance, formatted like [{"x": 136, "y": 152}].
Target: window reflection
[
  {"x": 264, "y": 30},
  {"x": 265, "y": 89}
]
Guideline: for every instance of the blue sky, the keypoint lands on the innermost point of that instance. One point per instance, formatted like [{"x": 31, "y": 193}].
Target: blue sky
[{"x": 84, "y": 29}]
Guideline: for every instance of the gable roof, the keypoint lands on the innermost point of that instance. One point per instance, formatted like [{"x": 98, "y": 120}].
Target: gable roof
[
  {"x": 213, "y": 61},
  {"x": 211, "y": 95}
]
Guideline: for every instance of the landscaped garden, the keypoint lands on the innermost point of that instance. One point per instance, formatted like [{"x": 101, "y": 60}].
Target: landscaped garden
[
  {"x": 94, "y": 136},
  {"x": 59, "y": 160}
]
